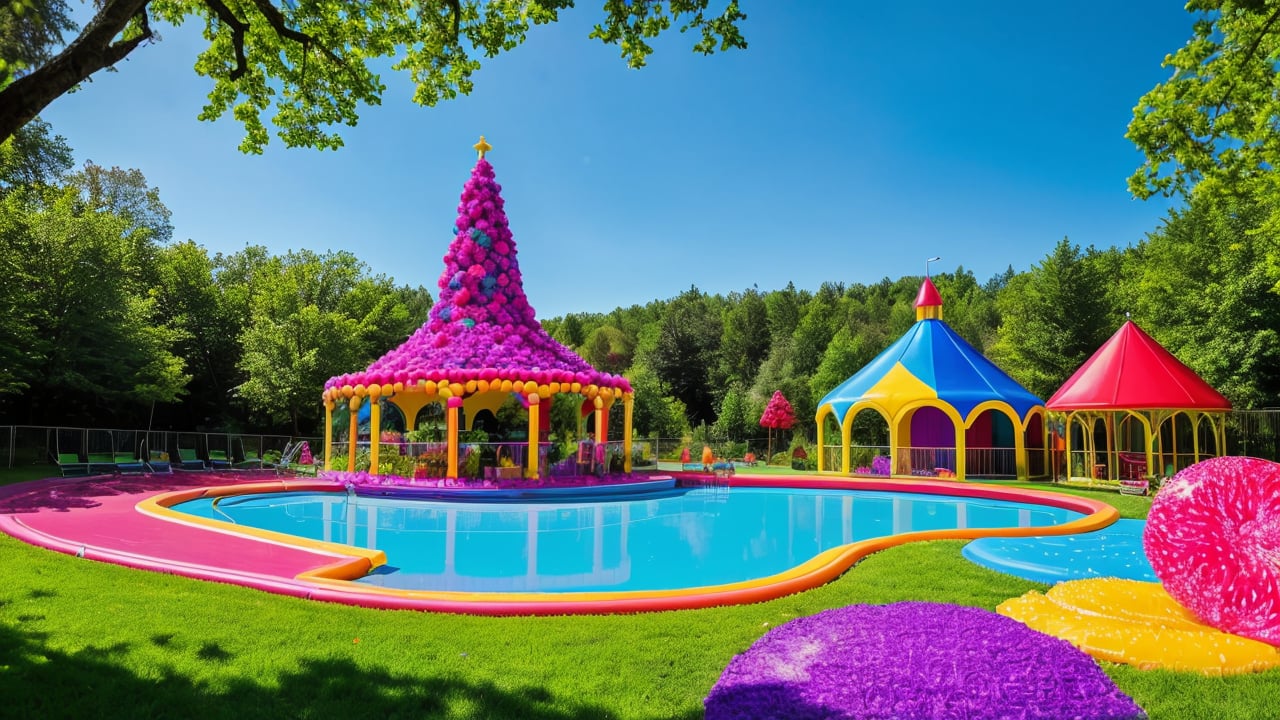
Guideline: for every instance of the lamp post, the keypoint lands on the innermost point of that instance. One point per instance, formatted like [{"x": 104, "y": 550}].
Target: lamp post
[{"x": 936, "y": 258}]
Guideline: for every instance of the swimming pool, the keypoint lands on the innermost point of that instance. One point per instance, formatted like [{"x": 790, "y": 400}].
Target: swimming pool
[{"x": 665, "y": 541}]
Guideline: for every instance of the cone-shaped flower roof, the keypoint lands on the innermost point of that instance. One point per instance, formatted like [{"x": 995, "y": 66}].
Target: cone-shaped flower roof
[
  {"x": 482, "y": 326},
  {"x": 929, "y": 362},
  {"x": 1131, "y": 371}
]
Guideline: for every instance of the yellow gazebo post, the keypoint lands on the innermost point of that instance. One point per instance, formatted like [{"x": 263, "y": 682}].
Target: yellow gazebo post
[
  {"x": 328, "y": 433},
  {"x": 451, "y": 425},
  {"x": 354, "y": 405},
  {"x": 531, "y": 464},
  {"x": 627, "y": 399},
  {"x": 375, "y": 428}
]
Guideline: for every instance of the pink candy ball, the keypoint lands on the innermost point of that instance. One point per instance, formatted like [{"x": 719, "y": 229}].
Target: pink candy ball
[{"x": 1213, "y": 539}]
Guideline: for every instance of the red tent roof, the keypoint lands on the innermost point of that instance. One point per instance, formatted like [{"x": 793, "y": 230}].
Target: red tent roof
[{"x": 1132, "y": 371}]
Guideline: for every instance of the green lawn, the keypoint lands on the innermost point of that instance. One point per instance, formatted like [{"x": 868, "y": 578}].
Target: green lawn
[{"x": 85, "y": 639}]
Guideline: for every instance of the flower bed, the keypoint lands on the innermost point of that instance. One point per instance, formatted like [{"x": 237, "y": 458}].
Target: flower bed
[{"x": 365, "y": 480}]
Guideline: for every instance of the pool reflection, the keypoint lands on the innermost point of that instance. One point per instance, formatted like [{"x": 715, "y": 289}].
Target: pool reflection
[{"x": 680, "y": 539}]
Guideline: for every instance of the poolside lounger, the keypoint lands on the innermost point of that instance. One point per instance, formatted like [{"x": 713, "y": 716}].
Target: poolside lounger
[
  {"x": 158, "y": 462},
  {"x": 218, "y": 460},
  {"x": 101, "y": 462},
  {"x": 1134, "y": 487},
  {"x": 189, "y": 460},
  {"x": 69, "y": 464},
  {"x": 244, "y": 460}
]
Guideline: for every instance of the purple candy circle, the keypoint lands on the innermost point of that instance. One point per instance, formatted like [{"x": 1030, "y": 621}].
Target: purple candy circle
[{"x": 914, "y": 660}]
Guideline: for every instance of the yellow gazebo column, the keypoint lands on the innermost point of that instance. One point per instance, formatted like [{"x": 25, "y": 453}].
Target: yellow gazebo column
[
  {"x": 960, "y": 449},
  {"x": 451, "y": 430},
  {"x": 1019, "y": 450},
  {"x": 531, "y": 463},
  {"x": 354, "y": 405},
  {"x": 375, "y": 427},
  {"x": 846, "y": 443},
  {"x": 328, "y": 433},
  {"x": 627, "y": 400},
  {"x": 1195, "y": 441},
  {"x": 602, "y": 422},
  {"x": 822, "y": 440}
]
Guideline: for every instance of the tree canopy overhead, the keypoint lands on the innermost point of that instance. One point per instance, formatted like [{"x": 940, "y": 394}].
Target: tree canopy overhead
[
  {"x": 1216, "y": 115},
  {"x": 312, "y": 61}
]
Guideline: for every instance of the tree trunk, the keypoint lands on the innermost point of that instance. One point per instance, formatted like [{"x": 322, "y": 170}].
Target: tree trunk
[{"x": 25, "y": 97}]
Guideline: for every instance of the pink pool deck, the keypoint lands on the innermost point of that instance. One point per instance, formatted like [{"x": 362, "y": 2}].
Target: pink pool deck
[
  {"x": 125, "y": 520},
  {"x": 97, "y": 518}
]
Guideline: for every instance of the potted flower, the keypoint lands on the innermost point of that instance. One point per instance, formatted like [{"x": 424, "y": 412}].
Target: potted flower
[{"x": 506, "y": 469}]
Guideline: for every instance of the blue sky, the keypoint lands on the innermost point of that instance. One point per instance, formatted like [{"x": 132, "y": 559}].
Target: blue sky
[{"x": 849, "y": 142}]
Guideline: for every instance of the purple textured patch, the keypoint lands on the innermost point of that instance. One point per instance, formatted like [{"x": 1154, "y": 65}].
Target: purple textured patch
[{"x": 914, "y": 660}]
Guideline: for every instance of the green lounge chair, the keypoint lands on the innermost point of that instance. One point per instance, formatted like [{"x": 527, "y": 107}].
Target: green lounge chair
[
  {"x": 189, "y": 460},
  {"x": 69, "y": 464},
  {"x": 248, "y": 457},
  {"x": 218, "y": 460},
  {"x": 101, "y": 462}
]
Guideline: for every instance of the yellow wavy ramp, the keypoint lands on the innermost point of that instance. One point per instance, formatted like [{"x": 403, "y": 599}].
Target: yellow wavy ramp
[{"x": 1137, "y": 623}]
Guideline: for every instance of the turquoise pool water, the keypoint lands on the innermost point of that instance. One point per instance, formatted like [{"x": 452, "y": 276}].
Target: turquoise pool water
[{"x": 676, "y": 539}]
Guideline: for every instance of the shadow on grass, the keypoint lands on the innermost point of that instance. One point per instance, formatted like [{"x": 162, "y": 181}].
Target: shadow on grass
[{"x": 38, "y": 681}]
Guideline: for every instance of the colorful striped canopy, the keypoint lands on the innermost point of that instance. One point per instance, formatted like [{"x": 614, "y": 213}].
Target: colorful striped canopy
[{"x": 929, "y": 362}]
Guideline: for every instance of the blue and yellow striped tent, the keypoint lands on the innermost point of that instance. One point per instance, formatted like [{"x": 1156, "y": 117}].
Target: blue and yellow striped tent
[{"x": 949, "y": 410}]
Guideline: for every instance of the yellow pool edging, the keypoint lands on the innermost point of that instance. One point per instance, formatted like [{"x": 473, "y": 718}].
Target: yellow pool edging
[{"x": 332, "y": 581}]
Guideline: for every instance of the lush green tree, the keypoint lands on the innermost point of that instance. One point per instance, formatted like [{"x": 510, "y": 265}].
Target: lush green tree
[
  {"x": 1205, "y": 292},
  {"x": 568, "y": 331},
  {"x": 33, "y": 157},
  {"x": 785, "y": 310},
  {"x": 312, "y": 317},
  {"x": 18, "y": 331},
  {"x": 654, "y": 413},
  {"x": 744, "y": 343},
  {"x": 608, "y": 349},
  {"x": 845, "y": 355},
  {"x": 193, "y": 303},
  {"x": 30, "y": 30},
  {"x": 1053, "y": 318},
  {"x": 969, "y": 308},
  {"x": 819, "y": 322},
  {"x": 735, "y": 418},
  {"x": 315, "y": 62},
  {"x": 1215, "y": 115},
  {"x": 687, "y": 347},
  {"x": 126, "y": 193},
  {"x": 92, "y": 347}
]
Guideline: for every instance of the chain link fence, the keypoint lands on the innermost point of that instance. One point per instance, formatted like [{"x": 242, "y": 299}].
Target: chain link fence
[{"x": 36, "y": 445}]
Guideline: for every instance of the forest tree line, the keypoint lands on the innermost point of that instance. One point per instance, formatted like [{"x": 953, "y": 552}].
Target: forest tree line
[{"x": 108, "y": 321}]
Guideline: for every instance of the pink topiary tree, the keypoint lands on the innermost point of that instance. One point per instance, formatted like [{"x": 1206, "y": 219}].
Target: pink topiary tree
[{"x": 778, "y": 415}]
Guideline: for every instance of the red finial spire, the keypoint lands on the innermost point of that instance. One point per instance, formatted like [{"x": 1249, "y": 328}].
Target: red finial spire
[{"x": 928, "y": 302}]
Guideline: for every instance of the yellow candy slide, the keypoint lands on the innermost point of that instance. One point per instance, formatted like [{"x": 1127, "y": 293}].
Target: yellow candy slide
[{"x": 1137, "y": 623}]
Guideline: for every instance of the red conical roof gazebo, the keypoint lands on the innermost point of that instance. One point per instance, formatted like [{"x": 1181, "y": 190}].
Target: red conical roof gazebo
[
  {"x": 1131, "y": 393},
  {"x": 480, "y": 344}
]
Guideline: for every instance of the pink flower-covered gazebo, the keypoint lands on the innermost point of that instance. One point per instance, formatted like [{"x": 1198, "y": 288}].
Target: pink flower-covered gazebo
[{"x": 480, "y": 344}]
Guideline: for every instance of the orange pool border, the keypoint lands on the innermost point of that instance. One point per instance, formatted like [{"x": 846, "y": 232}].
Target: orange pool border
[{"x": 332, "y": 582}]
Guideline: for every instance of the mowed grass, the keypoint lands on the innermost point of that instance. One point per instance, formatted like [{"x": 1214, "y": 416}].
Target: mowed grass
[{"x": 86, "y": 639}]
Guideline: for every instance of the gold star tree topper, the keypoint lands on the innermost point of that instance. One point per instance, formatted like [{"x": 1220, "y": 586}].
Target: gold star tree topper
[{"x": 482, "y": 147}]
